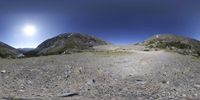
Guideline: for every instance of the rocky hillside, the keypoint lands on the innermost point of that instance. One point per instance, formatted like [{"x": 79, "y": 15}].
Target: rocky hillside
[
  {"x": 65, "y": 43},
  {"x": 7, "y": 51},
  {"x": 180, "y": 44}
]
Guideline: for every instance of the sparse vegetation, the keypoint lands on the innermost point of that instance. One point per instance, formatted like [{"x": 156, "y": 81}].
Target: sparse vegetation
[
  {"x": 8, "y": 51},
  {"x": 146, "y": 49},
  {"x": 170, "y": 44},
  {"x": 182, "y": 45}
]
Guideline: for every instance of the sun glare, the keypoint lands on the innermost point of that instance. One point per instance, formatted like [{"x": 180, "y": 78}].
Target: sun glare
[{"x": 29, "y": 30}]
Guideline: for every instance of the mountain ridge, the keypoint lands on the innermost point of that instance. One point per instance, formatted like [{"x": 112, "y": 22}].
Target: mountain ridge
[
  {"x": 7, "y": 51},
  {"x": 66, "y": 42},
  {"x": 77, "y": 42}
]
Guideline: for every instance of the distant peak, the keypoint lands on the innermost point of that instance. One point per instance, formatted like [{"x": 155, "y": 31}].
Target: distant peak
[
  {"x": 70, "y": 34},
  {"x": 71, "y": 41},
  {"x": 7, "y": 51}
]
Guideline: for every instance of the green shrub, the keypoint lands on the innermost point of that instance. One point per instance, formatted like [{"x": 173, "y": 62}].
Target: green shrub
[{"x": 163, "y": 44}]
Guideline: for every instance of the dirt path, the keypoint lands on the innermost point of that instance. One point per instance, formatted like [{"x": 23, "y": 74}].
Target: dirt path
[{"x": 118, "y": 73}]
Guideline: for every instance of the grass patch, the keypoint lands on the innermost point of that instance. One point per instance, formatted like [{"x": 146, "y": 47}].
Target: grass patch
[
  {"x": 194, "y": 57},
  {"x": 164, "y": 44},
  {"x": 178, "y": 45}
]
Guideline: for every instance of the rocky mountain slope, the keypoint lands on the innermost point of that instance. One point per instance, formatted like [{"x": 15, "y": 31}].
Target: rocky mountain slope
[
  {"x": 7, "y": 51},
  {"x": 67, "y": 42},
  {"x": 180, "y": 44}
]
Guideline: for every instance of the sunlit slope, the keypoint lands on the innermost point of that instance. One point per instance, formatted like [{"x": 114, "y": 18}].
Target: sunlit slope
[{"x": 180, "y": 44}]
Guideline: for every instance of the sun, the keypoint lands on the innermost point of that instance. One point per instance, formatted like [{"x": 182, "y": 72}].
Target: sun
[{"x": 29, "y": 30}]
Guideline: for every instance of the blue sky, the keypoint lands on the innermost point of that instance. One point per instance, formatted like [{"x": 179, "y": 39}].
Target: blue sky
[{"x": 116, "y": 21}]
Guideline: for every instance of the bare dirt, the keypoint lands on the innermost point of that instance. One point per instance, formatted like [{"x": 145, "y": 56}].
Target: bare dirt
[{"x": 110, "y": 73}]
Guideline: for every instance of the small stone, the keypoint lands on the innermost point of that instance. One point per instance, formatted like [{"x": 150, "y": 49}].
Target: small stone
[
  {"x": 197, "y": 85},
  {"x": 93, "y": 81},
  {"x": 184, "y": 95},
  {"x": 195, "y": 94},
  {"x": 165, "y": 82},
  {"x": 3, "y": 71},
  {"x": 90, "y": 82},
  {"x": 139, "y": 81},
  {"x": 21, "y": 90},
  {"x": 29, "y": 82},
  {"x": 68, "y": 94}
]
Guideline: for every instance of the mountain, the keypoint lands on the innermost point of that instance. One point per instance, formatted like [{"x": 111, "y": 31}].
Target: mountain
[
  {"x": 180, "y": 44},
  {"x": 7, "y": 51},
  {"x": 25, "y": 50},
  {"x": 67, "y": 42}
]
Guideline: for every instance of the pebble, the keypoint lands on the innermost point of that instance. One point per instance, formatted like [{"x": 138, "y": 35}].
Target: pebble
[
  {"x": 90, "y": 82},
  {"x": 21, "y": 90},
  {"x": 29, "y": 82},
  {"x": 195, "y": 94},
  {"x": 139, "y": 81},
  {"x": 197, "y": 85},
  {"x": 68, "y": 94},
  {"x": 3, "y": 71},
  {"x": 184, "y": 95},
  {"x": 165, "y": 82}
]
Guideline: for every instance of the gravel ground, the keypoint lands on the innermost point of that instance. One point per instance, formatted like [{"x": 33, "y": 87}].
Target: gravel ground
[{"x": 111, "y": 73}]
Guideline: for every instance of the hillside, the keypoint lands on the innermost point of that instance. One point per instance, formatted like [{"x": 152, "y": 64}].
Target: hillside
[
  {"x": 180, "y": 44},
  {"x": 7, "y": 51},
  {"x": 65, "y": 43}
]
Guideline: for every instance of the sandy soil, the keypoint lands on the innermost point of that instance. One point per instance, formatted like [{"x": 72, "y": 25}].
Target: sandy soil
[{"x": 110, "y": 73}]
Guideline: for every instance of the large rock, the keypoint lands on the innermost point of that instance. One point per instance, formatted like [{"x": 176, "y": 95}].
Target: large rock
[
  {"x": 67, "y": 42},
  {"x": 180, "y": 44}
]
